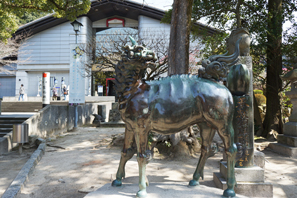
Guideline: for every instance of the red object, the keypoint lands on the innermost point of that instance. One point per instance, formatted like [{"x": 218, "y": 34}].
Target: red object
[
  {"x": 44, "y": 75},
  {"x": 115, "y": 18},
  {"x": 107, "y": 79}
]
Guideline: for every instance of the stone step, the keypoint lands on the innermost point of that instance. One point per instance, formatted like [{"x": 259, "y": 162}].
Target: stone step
[
  {"x": 6, "y": 125},
  {"x": 284, "y": 149},
  {"x": 287, "y": 140},
  {"x": 12, "y": 121},
  {"x": 112, "y": 124},
  {"x": 5, "y": 129},
  {"x": 2, "y": 134}
]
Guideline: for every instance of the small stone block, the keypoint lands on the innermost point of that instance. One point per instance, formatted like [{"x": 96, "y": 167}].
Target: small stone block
[
  {"x": 290, "y": 128},
  {"x": 287, "y": 140},
  {"x": 284, "y": 149},
  {"x": 249, "y": 189},
  {"x": 115, "y": 106},
  {"x": 259, "y": 159},
  {"x": 251, "y": 174}
]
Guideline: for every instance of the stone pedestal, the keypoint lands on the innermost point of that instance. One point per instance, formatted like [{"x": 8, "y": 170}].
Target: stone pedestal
[
  {"x": 249, "y": 178},
  {"x": 287, "y": 143},
  {"x": 250, "y": 181},
  {"x": 115, "y": 119},
  {"x": 114, "y": 113}
]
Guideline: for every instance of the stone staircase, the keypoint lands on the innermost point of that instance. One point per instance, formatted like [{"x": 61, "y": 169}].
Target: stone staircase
[
  {"x": 6, "y": 127},
  {"x": 7, "y": 122},
  {"x": 26, "y": 106}
]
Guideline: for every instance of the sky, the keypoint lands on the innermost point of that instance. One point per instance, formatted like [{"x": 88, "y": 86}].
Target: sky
[{"x": 161, "y": 4}]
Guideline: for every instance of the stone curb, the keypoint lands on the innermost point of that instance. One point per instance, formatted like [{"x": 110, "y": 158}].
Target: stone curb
[{"x": 20, "y": 180}]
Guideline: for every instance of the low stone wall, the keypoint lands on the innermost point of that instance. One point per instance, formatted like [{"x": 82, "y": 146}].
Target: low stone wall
[{"x": 53, "y": 120}]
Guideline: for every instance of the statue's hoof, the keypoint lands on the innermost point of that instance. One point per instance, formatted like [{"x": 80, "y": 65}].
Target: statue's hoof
[
  {"x": 193, "y": 183},
  {"x": 141, "y": 194},
  {"x": 116, "y": 183},
  {"x": 229, "y": 193}
]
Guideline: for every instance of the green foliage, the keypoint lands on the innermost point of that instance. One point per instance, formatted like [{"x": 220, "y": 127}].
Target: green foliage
[
  {"x": 258, "y": 91},
  {"x": 290, "y": 45},
  {"x": 213, "y": 44},
  {"x": 61, "y": 8},
  {"x": 261, "y": 99},
  {"x": 168, "y": 144},
  {"x": 150, "y": 139},
  {"x": 285, "y": 102},
  {"x": 100, "y": 79},
  {"x": 27, "y": 17}
]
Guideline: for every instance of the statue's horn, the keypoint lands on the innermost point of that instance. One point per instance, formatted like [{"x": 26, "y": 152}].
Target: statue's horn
[{"x": 133, "y": 41}]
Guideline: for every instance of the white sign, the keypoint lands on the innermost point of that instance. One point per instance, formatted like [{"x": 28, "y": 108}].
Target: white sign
[
  {"x": 46, "y": 89},
  {"x": 100, "y": 89},
  {"x": 77, "y": 71}
]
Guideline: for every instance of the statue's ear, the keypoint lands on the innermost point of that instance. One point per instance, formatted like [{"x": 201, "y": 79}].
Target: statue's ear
[{"x": 133, "y": 41}]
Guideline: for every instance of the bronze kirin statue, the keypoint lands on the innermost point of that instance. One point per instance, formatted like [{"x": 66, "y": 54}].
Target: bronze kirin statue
[{"x": 171, "y": 104}]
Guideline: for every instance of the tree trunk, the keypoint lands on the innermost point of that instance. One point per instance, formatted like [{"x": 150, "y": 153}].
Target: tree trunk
[
  {"x": 178, "y": 54},
  {"x": 273, "y": 119},
  {"x": 183, "y": 143}
]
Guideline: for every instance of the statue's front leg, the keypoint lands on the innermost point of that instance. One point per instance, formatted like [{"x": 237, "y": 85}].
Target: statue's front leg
[
  {"x": 129, "y": 150},
  {"x": 126, "y": 155},
  {"x": 143, "y": 157}
]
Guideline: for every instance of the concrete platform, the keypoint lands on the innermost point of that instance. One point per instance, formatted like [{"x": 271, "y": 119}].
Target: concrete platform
[
  {"x": 284, "y": 149},
  {"x": 249, "y": 189},
  {"x": 159, "y": 190}
]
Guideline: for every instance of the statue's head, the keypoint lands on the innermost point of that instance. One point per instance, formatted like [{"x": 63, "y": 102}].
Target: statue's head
[
  {"x": 217, "y": 66},
  {"x": 138, "y": 52}
]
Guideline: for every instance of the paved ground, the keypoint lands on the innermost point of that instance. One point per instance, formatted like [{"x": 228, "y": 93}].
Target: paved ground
[{"x": 81, "y": 162}]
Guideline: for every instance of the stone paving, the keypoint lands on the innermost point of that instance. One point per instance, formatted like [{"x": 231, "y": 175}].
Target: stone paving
[{"x": 78, "y": 163}]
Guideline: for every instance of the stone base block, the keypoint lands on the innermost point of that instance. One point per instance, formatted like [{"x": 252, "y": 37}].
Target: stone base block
[
  {"x": 284, "y": 149},
  {"x": 259, "y": 158},
  {"x": 251, "y": 174},
  {"x": 290, "y": 128},
  {"x": 287, "y": 140},
  {"x": 249, "y": 189}
]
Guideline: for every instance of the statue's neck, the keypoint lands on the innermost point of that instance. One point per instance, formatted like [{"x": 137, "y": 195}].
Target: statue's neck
[{"x": 127, "y": 82}]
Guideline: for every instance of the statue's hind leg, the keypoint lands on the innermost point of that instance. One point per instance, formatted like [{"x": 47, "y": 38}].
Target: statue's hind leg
[
  {"x": 206, "y": 134},
  {"x": 227, "y": 134},
  {"x": 128, "y": 151}
]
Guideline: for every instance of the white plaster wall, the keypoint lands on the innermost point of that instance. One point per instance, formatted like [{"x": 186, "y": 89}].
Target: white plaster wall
[
  {"x": 33, "y": 82},
  {"x": 51, "y": 47},
  {"x": 21, "y": 78},
  {"x": 152, "y": 27},
  {"x": 48, "y": 51}
]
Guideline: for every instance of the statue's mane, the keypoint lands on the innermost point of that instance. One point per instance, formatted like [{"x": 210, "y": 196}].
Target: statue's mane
[{"x": 168, "y": 79}]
